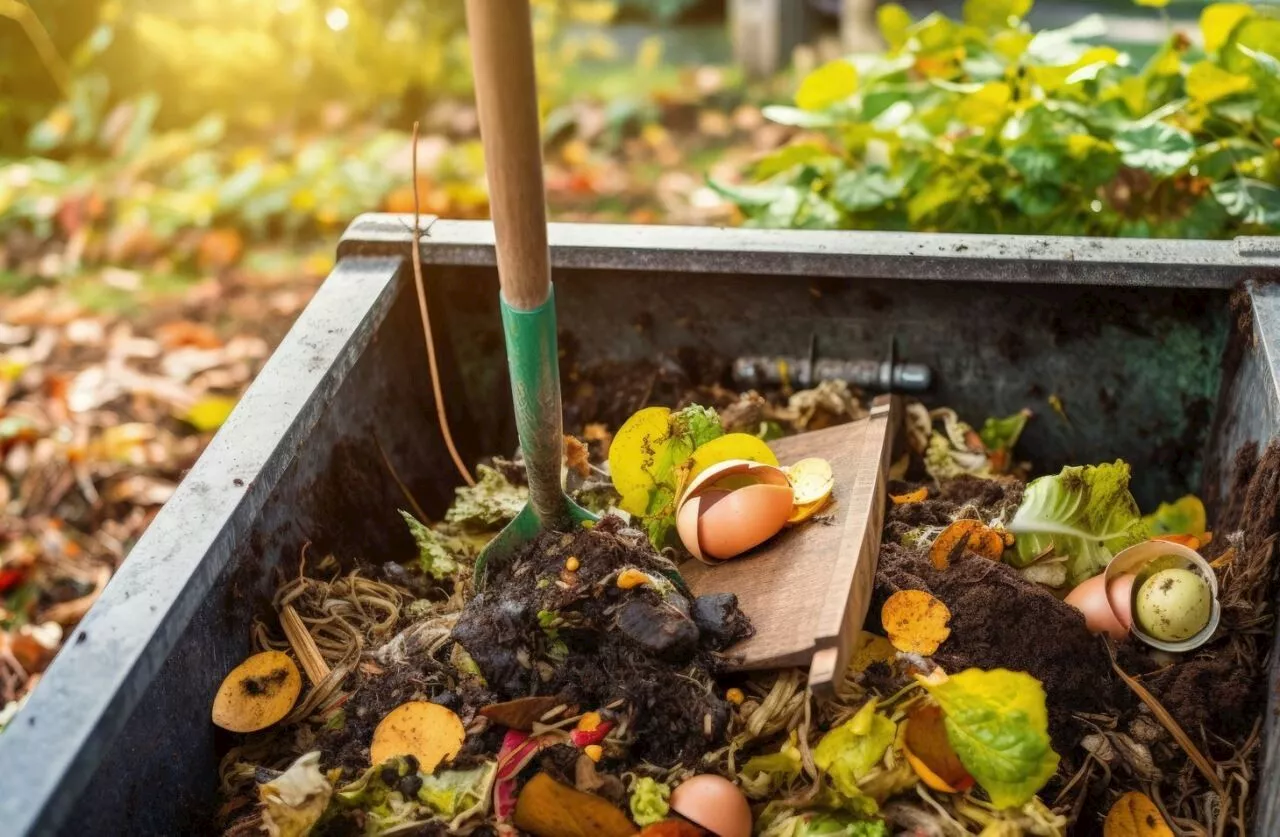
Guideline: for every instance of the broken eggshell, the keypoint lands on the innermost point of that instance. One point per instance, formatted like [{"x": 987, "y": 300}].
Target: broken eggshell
[
  {"x": 714, "y": 803},
  {"x": 1143, "y": 560},
  {"x": 1106, "y": 605},
  {"x": 732, "y": 507}
]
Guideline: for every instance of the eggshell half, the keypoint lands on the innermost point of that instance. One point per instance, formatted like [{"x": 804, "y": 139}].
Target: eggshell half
[
  {"x": 1090, "y": 598},
  {"x": 1120, "y": 596},
  {"x": 731, "y": 522},
  {"x": 687, "y": 519},
  {"x": 714, "y": 803},
  {"x": 757, "y": 471}
]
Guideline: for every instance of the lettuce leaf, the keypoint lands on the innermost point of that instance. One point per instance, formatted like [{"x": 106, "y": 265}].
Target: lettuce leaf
[
  {"x": 1185, "y": 517},
  {"x": 765, "y": 775},
  {"x": 998, "y": 725},
  {"x": 1085, "y": 513},
  {"x": 853, "y": 749}
]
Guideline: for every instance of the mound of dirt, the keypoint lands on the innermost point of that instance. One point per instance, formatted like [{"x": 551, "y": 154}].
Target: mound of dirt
[
  {"x": 542, "y": 629},
  {"x": 998, "y": 618}
]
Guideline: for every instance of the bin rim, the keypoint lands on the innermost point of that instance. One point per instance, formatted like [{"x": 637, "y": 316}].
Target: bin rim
[{"x": 843, "y": 254}]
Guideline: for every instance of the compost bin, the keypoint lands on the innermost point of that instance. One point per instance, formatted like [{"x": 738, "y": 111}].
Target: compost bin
[{"x": 1164, "y": 352}]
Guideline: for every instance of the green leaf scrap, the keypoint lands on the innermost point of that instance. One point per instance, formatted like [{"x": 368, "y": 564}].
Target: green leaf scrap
[
  {"x": 433, "y": 552},
  {"x": 998, "y": 725},
  {"x": 1085, "y": 513},
  {"x": 853, "y": 749}
]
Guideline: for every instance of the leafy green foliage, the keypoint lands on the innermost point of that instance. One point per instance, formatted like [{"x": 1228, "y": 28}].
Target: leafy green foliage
[
  {"x": 983, "y": 125},
  {"x": 1085, "y": 513},
  {"x": 851, "y": 750},
  {"x": 998, "y": 725}
]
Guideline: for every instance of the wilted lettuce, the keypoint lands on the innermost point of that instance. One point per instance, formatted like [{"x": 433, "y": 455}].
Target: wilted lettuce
[
  {"x": 1086, "y": 514},
  {"x": 853, "y": 749},
  {"x": 434, "y": 552},
  {"x": 649, "y": 801},
  {"x": 997, "y": 723}
]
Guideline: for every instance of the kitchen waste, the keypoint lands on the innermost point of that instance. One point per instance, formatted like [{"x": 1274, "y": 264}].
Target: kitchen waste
[{"x": 585, "y": 691}]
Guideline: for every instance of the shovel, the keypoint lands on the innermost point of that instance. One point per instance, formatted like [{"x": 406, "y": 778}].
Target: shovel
[{"x": 506, "y": 97}]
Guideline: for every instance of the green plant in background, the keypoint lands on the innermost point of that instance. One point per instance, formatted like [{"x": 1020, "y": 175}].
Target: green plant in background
[{"x": 982, "y": 125}]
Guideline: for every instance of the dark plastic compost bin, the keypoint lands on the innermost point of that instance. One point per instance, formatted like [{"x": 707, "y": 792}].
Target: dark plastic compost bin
[{"x": 1166, "y": 353}]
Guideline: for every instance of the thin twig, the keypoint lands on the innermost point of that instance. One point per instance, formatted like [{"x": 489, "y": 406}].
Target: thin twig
[
  {"x": 404, "y": 489},
  {"x": 1169, "y": 723},
  {"x": 426, "y": 326}
]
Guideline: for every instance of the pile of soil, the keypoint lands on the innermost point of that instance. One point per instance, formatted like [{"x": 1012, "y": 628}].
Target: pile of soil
[
  {"x": 539, "y": 629},
  {"x": 998, "y": 618}
]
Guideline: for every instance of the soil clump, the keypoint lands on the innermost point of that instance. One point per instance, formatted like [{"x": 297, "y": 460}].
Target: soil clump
[{"x": 541, "y": 629}]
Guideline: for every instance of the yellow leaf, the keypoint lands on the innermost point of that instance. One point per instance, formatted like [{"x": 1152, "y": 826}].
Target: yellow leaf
[
  {"x": 1135, "y": 815},
  {"x": 894, "y": 21},
  {"x": 729, "y": 446},
  {"x": 965, "y": 535},
  {"x": 915, "y": 621},
  {"x": 1080, "y": 146},
  {"x": 1219, "y": 20},
  {"x": 641, "y": 442},
  {"x": 1010, "y": 43},
  {"x": 209, "y": 412},
  {"x": 827, "y": 85},
  {"x": 987, "y": 107},
  {"x": 1207, "y": 82},
  {"x": 1152, "y": 4},
  {"x": 1133, "y": 91},
  {"x": 649, "y": 55},
  {"x": 593, "y": 11},
  {"x": 990, "y": 14}
]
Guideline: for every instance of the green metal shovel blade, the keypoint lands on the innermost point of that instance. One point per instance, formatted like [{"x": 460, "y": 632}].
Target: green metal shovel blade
[{"x": 533, "y": 360}]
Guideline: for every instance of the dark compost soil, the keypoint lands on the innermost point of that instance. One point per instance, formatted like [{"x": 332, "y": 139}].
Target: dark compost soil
[{"x": 540, "y": 630}]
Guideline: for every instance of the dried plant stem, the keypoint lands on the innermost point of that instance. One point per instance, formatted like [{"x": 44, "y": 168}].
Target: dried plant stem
[
  {"x": 426, "y": 325},
  {"x": 304, "y": 645},
  {"x": 395, "y": 475},
  {"x": 1174, "y": 728}
]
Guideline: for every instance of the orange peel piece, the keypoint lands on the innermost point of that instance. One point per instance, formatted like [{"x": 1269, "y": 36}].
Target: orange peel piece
[
  {"x": 1135, "y": 815},
  {"x": 257, "y": 693},
  {"x": 429, "y": 732},
  {"x": 915, "y": 621},
  {"x": 924, "y": 743},
  {"x": 918, "y": 496},
  {"x": 973, "y": 535},
  {"x": 547, "y": 808}
]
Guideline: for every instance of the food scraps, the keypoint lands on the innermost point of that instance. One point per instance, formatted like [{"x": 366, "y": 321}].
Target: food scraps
[
  {"x": 1106, "y": 604},
  {"x": 547, "y": 808},
  {"x": 733, "y": 506},
  {"x": 257, "y": 693},
  {"x": 997, "y": 723},
  {"x": 925, "y": 744},
  {"x": 1174, "y": 604},
  {"x": 520, "y": 713},
  {"x": 918, "y": 496},
  {"x": 915, "y": 621},
  {"x": 427, "y": 731},
  {"x": 714, "y": 803},
  {"x": 973, "y": 535},
  {"x": 1135, "y": 815}
]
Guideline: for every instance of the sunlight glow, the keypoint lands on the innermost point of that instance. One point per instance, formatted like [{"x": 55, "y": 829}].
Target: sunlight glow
[{"x": 337, "y": 19}]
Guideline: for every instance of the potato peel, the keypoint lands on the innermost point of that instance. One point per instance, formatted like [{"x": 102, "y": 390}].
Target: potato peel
[
  {"x": 917, "y": 496},
  {"x": 972, "y": 535},
  {"x": 811, "y": 480},
  {"x": 915, "y": 621},
  {"x": 257, "y": 693},
  {"x": 427, "y": 731}
]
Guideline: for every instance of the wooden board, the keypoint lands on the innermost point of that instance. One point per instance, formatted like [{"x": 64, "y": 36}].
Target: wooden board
[{"x": 807, "y": 590}]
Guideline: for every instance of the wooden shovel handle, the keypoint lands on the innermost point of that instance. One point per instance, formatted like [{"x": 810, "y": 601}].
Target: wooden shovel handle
[{"x": 507, "y": 99}]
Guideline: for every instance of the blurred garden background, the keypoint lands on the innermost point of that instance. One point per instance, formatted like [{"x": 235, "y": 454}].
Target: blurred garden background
[{"x": 174, "y": 175}]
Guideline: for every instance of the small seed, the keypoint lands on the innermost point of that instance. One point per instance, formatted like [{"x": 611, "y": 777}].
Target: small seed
[
  {"x": 594, "y": 752},
  {"x": 572, "y": 564},
  {"x": 735, "y": 696}
]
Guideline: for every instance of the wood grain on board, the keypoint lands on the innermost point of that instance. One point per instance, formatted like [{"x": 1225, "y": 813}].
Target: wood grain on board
[{"x": 807, "y": 590}]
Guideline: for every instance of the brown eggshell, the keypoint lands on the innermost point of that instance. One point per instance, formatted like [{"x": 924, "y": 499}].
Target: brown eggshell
[
  {"x": 1090, "y": 598},
  {"x": 730, "y": 523},
  {"x": 755, "y": 470},
  {"x": 687, "y": 520},
  {"x": 1120, "y": 597},
  {"x": 714, "y": 803}
]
